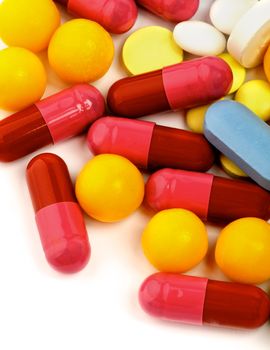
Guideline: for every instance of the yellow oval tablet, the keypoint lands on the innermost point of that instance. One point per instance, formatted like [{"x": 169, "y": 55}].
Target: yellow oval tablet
[
  {"x": 195, "y": 118},
  {"x": 255, "y": 94},
  {"x": 231, "y": 168},
  {"x": 150, "y": 48},
  {"x": 239, "y": 72}
]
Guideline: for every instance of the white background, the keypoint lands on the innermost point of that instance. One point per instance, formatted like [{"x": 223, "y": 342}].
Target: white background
[{"x": 96, "y": 308}]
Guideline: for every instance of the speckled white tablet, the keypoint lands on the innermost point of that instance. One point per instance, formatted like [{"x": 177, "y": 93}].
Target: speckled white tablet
[
  {"x": 199, "y": 38},
  {"x": 224, "y": 14},
  {"x": 251, "y": 35}
]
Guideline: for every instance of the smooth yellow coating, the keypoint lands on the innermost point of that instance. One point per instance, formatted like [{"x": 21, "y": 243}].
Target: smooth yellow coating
[
  {"x": 22, "y": 78},
  {"x": 243, "y": 251},
  {"x": 150, "y": 48},
  {"x": 255, "y": 94},
  {"x": 238, "y": 71},
  {"x": 175, "y": 240},
  {"x": 195, "y": 118},
  {"x": 231, "y": 168},
  {"x": 81, "y": 51},
  {"x": 109, "y": 188},
  {"x": 28, "y": 23}
]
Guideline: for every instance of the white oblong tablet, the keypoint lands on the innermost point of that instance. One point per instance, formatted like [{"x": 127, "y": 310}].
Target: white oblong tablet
[
  {"x": 251, "y": 35},
  {"x": 224, "y": 14},
  {"x": 199, "y": 38}
]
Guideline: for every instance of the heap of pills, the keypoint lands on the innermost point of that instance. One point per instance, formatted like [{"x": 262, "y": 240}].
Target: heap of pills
[{"x": 225, "y": 112}]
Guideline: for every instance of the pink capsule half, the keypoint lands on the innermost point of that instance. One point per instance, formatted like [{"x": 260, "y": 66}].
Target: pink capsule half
[
  {"x": 58, "y": 216},
  {"x": 171, "y": 10},
  {"x": 213, "y": 198},
  {"x": 117, "y": 16},
  {"x": 54, "y": 119},
  {"x": 150, "y": 146},
  {"x": 199, "y": 301}
]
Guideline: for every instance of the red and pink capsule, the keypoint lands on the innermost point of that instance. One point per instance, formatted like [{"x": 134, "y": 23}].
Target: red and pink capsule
[
  {"x": 200, "y": 301},
  {"x": 150, "y": 146},
  {"x": 58, "y": 216},
  {"x": 212, "y": 198},
  {"x": 172, "y": 10},
  {"x": 184, "y": 85},
  {"x": 117, "y": 16},
  {"x": 56, "y": 118}
]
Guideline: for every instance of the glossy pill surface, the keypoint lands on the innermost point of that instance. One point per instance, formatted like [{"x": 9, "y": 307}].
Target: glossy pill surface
[
  {"x": 116, "y": 16},
  {"x": 239, "y": 72},
  {"x": 141, "y": 52},
  {"x": 22, "y": 78},
  {"x": 109, "y": 188},
  {"x": 195, "y": 118},
  {"x": 58, "y": 117},
  {"x": 231, "y": 168},
  {"x": 255, "y": 95},
  {"x": 233, "y": 10},
  {"x": 150, "y": 146},
  {"x": 266, "y": 64},
  {"x": 81, "y": 51},
  {"x": 243, "y": 249},
  {"x": 58, "y": 216},
  {"x": 250, "y": 36},
  {"x": 199, "y": 38},
  {"x": 28, "y": 23},
  {"x": 210, "y": 78},
  {"x": 201, "y": 301},
  {"x": 243, "y": 137},
  {"x": 212, "y": 198},
  {"x": 171, "y": 10},
  {"x": 175, "y": 240}
]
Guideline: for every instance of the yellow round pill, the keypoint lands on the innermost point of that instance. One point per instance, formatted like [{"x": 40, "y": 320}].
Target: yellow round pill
[
  {"x": 109, "y": 188},
  {"x": 175, "y": 240},
  {"x": 81, "y": 51},
  {"x": 150, "y": 48},
  {"x": 231, "y": 168},
  {"x": 243, "y": 250},
  {"x": 255, "y": 95},
  {"x": 22, "y": 78},
  {"x": 195, "y": 118},
  {"x": 28, "y": 23},
  {"x": 238, "y": 71}
]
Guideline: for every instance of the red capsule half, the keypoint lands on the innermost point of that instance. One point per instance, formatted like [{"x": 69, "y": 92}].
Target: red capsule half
[
  {"x": 184, "y": 85},
  {"x": 171, "y": 10},
  {"x": 201, "y": 301},
  {"x": 56, "y": 118},
  {"x": 117, "y": 16},
  {"x": 58, "y": 216},
  {"x": 150, "y": 146},
  {"x": 212, "y": 198}
]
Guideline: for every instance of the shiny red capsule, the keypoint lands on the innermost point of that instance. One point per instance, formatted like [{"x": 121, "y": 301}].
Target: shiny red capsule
[
  {"x": 150, "y": 146},
  {"x": 58, "y": 216},
  {"x": 171, "y": 10},
  {"x": 201, "y": 301},
  {"x": 56, "y": 118},
  {"x": 117, "y": 16},
  {"x": 212, "y": 198},
  {"x": 184, "y": 85}
]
